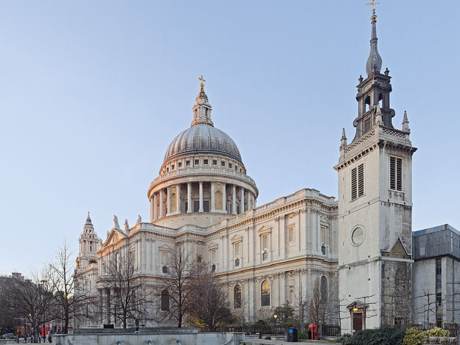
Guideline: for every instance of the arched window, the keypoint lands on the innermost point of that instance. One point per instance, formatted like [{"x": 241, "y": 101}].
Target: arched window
[
  {"x": 323, "y": 289},
  {"x": 164, "y": 300},
  {"x": 265, "y": 293},
  {"x": 237, "y": 297}
]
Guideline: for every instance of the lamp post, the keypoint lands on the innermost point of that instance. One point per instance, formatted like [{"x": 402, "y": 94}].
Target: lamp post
[{"x": 275, "y": 317}]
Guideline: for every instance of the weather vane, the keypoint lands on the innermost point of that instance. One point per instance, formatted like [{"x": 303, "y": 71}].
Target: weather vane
[{"x": 373, "y": 4}]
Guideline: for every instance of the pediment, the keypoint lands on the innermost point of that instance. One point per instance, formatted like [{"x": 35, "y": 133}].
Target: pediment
[
  {"x": 114, "y": 237},
  {"x": 264, "y": 229},
  {"x": 398, "y": 250},
  {"x": 236, "y": 238}
]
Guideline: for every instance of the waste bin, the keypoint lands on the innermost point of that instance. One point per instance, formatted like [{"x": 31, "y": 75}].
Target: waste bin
[{"x": 292, "y": 335}]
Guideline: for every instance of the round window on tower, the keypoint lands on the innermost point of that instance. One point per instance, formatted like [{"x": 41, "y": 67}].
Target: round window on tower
[{"x": 357, "y": 236}]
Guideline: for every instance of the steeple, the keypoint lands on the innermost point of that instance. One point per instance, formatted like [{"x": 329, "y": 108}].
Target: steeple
[
  {"x": 374, "y": 61},
  {"x": 202, "y": 109},
  {"x": 374, "y": 91}
]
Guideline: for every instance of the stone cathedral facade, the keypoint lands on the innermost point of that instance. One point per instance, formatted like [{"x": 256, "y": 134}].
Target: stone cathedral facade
[{"x": 355, "y": 250}]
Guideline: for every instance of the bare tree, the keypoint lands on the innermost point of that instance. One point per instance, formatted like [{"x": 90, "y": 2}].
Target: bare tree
[
  {"x": 69, "y": 298},
  {"x": 33, "y": 301},
  {"x": 129, "y": 301},
  {"x": 176, "y": 287},
  {"x": 316, "y": 308},
  {"x": 209, "y": 305}
]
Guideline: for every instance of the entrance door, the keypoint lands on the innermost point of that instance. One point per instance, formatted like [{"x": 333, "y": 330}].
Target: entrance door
[{"x": 357, "y": 321}]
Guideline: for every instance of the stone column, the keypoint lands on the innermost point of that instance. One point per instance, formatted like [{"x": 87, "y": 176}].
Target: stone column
[
  {"x": 178, "y": 210},
  {"x": 213, "y": 199},
  {"x": 168, "y": 200},
  {"x": 242, "y": 200},
  {"x": 152, "y": 215},
  {"x": 154, "y": 207},
  {"x": 233, "y": 199},
  {"x": 189, "y": 198},
  {"x": 161, "y": 211},
  {"x": 201, "y": 197},
  {"x": 224, "y": 198}
]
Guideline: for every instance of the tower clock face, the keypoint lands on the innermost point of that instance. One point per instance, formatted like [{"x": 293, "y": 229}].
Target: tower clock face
[{"x": 357, "y": 236}]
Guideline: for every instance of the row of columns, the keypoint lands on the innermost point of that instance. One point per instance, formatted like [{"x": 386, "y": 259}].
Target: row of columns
[{"x": 163, "y": 208}]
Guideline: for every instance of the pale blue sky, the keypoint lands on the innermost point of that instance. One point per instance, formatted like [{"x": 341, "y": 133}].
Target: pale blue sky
[{"x": 92, "y": 92}]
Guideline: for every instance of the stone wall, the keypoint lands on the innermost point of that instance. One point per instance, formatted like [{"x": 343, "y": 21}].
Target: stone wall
[{"x": 186, "y": 337}]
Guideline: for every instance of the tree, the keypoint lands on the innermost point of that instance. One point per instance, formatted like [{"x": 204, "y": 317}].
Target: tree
[
  {"x": 33, "y": 301},
  {"x": 209, "y": 305},
  {"x": 284, "y": 315},
  {"x": 68, "y": 300},
  {"x": 7, "y": 317},
  {"x": 177, "y": 284},
  {"x": 317, "y": 307},
  {"x": 129, "y": 301}
]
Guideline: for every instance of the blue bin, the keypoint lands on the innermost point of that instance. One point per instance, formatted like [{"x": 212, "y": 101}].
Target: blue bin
[{"x": 292, "y": 335}]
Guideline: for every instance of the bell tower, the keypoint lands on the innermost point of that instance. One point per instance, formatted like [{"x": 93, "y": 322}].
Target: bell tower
[{"x": 375, "y": 207}]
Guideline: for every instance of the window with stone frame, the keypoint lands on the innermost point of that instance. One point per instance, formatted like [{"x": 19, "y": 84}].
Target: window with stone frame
[
  {"x": 164, "y": 305},
  {"x": 237, "y": 297},
  {"x": 323, "y": 289},
  {"x": 265, "y": 293}
]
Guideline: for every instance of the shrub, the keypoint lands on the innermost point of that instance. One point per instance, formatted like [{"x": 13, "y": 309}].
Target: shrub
[
  {"x": 415, "y": 336},
  {"x": 384, "y": 336}
]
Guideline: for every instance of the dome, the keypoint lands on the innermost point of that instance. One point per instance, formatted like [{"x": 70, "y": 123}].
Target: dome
[{"x": 202, "y": 138}]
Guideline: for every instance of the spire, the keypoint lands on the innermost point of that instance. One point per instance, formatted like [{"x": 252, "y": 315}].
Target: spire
[
  {"x": 88, "y": 220},
  {"x": 202, "y": 109},
  {"x": 343, "y": 140},
  {"x": 126, "y": 225},
  {"x": 374, "y": 62},
  {"x": 405, "y": 123}
]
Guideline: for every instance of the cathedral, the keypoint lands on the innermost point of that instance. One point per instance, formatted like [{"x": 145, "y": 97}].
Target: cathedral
[{"x": 354, "y": 250}]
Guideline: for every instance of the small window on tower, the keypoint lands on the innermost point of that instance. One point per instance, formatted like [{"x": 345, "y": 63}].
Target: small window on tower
[
  {"x": 197, "y": 161},
  {"x": 187, "y": 163},
  {"x": 214, "y": 162},
  {"x": 222, "y": 163},
  {"x": 205, "y": 161},
  {"x": 179, "y": 164}
]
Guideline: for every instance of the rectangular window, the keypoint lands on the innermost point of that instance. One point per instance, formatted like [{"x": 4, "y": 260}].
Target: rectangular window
[
  {"x": 396, "y": 173},
  {"x": 222, "y": 163},
  {"x": 206, "y": 205},
  {"x": 230, "y": 165},
  {"x": 179, "y": 164},
  {"x": 187, "y": 163},
  {"x": 205, "y": 161},
  {"x": 197, "y": 161},
  {"x": 214, "y": 162},
  {"x": 196, "y": 205},
  {"x": 357, "y": 182}
]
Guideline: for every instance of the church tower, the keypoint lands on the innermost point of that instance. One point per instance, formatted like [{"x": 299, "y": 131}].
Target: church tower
[
  {"x": 89, "y": 244},
  {"x": 375, "y": 207}
]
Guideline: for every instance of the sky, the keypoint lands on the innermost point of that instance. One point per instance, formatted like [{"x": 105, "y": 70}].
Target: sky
[{"x": 92, "y": 92}]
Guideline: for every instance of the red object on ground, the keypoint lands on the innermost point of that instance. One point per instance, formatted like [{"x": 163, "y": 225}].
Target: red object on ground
[{"x": 313, "y": 327}]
